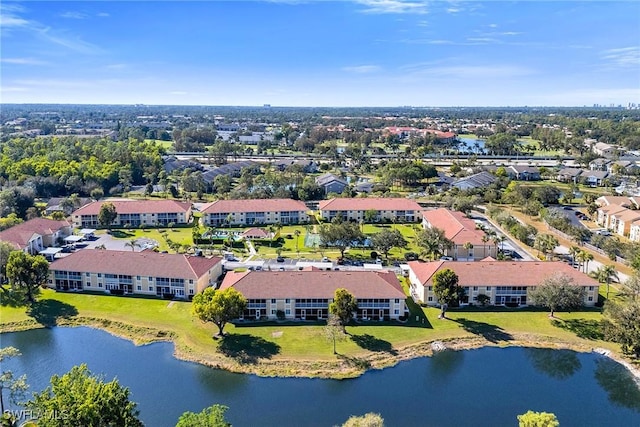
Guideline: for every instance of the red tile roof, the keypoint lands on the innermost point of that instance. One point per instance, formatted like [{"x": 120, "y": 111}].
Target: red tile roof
[
  {"x": 19, "y": 235},
  {"x": 255, "y": 205},
  {"x": 256, "y": 233},
  {"x": 627, "y": 215},
  {"x": 367, "y": 203},
  {"x": 136, "y": 206},
  {"x": 499, "y": 273},
  {"x": 613, "y": 200},
  {"x": 456, "y": 226},
  {"x": 146, "y": 263},
  {"x": 314, "y": 284}
]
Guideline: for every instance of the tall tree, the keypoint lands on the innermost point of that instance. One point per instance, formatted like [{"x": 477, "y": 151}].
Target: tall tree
[
  {"x": 219, "y": 306},
  {"x": 433, "y": 242},
  {"x": 344, "y": 305},
  {"x": 386, "y": 240},
  {"x": 621, "y": 324},
  {"x": 107, "y": 214},
  {"x": 85, "y": 400},
  {"x": 558, "y": 292},
  {"x": 5, "y": 250},
  {"x": 341, "y": 235},
  {"x": 16, "y": 386},
  {"x": 606, "y": 274},
  {"x": 334, "y": 331},
  {"x": 446, "y": 289},
  {"x": 213, "y": 416},
  {"x": 27, "y": 273}
]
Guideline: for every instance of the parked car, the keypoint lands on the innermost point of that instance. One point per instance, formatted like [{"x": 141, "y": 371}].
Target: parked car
[{"x": 280, "y": 259}]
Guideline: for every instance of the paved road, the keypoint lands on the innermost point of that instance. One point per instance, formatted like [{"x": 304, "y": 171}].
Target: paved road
[{"x": 593, "y": 266}]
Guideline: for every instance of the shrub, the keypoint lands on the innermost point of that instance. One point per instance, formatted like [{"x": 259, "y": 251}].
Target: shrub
[
  {"x": 483, "y": 299},
  {"x": 280, "y": 315}
]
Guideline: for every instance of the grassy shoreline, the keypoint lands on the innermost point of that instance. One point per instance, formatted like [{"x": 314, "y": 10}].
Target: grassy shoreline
[{"x": 299, "y": 350}]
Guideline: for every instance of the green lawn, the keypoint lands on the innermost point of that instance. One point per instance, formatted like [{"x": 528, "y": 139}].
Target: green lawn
[{"x": 293, "y": 348}]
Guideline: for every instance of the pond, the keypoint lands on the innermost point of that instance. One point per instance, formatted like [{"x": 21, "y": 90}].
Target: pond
[{"x": 483, "y": 387}]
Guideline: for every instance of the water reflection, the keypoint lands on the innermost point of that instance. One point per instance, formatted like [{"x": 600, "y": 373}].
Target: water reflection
[
  {"x": 220, "y": 382},
  {"x": 558, "y": 364},
  {"x": 445, "y": 363},
  {"x": 620, "y": 385}
]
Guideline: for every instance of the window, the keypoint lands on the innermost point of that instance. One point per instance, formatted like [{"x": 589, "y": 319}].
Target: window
[
  {"x": 430, "y": 288},
  {"x": 475, "y": 288},
  {"x": 99, "y": 274},
  {"x": 150, "y": 288},
  {"x": 396, "y": 311},
  {"x": 430, "y": 299},
  {"x": 397, "y": 301},
  {"x": 99, "y": 285},
  {"x": 288, "y": 301},
  {"x": 87, "y": 274},
  {"x": 190, "y": 291},
  {"x": 273, "y": 300},
  {"x": 191, "y": 281},
  {"x": 137, "y": 277},
  {"x": 590, "y": 298},
  {"x": 488, "y": 288},
  {"x": 590, "y": 288},
  {"x": 287, "y": 312},
  {"x": 150, "y": 279},
  {"x": 139, "y": 287},
  {"x": 273, "y": 311},
  {"x": 89, "y": 284}
]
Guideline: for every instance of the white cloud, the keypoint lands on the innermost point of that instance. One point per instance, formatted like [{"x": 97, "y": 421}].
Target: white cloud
[
  {"x": 393, "y": 6},
  {"x": 362, "y": 69},
  {"x": 467, "y": 72},
  {"x": 178, "y": 92},
  {"x": 23, "y": 61},
  {"x": 73, "y": 15},
  {"x": 10, "y": 19},
  {"x": 13, "y": 89},
  {"x": 454, "y": 10},
  {"x": 103, "y": 15},
  {"x": 493, "y": 25},
  {"x": 623, "y": 57}
]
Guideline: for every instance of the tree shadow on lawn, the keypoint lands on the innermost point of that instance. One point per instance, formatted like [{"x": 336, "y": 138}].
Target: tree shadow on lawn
[
  {"x": 371, "y": 343},
  {"x": 491, "y": 333},
  {"x": 587, "y": 329},
  {"x": 354, "y": 361},
  {"x": 417, "y": 316},
  {"x": 8, "y": 298},
  {"x": 247, "y": 349},
  {"x": 48, "y": 311}
]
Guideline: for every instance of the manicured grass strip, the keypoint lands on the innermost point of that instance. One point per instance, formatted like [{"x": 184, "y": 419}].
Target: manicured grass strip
[{"x": 300, "y": 348}]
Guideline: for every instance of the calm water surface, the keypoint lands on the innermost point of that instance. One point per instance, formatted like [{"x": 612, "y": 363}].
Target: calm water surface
[{"x": 484, "y": 387}]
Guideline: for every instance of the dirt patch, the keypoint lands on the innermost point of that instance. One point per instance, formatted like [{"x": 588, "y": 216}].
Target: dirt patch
[{"x": 276, "y": 334}]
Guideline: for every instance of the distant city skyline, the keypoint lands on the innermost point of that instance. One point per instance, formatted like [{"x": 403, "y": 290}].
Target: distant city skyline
[{"x": 322, "y": 53}]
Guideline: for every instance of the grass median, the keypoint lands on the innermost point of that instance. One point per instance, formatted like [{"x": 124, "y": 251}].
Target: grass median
[{"x": 300, "y": 348}]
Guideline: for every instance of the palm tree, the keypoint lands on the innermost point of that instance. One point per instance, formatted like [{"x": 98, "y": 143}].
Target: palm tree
[
  {"x": 297, "y": 234},
  {"x": 485, "y": 239},
  {"x": 433, "y": 241},
  {"x": 588, "y": 256},
  {"x": 606, "y": 274},
  {"x": 573, "y": 251},
  {"x": 133, "y": 244},
  {"x": 468, "y": 246}
]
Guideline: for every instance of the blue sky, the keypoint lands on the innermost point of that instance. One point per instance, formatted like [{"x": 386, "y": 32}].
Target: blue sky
[{"x": 321, "y": 53}]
